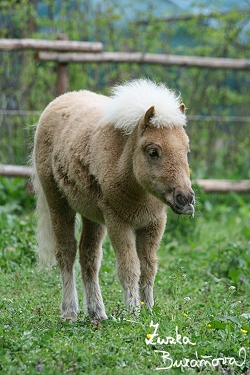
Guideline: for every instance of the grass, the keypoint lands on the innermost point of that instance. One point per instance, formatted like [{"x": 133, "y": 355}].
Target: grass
[{"x": 202, "y": 296}]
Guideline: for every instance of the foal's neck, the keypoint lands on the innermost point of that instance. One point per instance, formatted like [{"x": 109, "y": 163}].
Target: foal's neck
[{"x": 129, "y": 182}]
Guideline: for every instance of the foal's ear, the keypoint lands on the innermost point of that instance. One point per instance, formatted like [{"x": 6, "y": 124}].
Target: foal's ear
[
  {"x": 182, "y": 108},
  {"x": 145, "y": 121},
  {"x": 148, "y": 115}
]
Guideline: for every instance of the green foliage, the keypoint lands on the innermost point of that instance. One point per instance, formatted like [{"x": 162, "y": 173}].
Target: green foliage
[
  {"x": 218, "y": 149},
  {"x": 17, "y": 240},
  {"x": 202, "y": 288},
  {"x": 17, "y": 230},
  {"x": 13, "y": 192}
]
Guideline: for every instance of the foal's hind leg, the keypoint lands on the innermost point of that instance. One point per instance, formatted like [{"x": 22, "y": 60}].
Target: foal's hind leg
[
  {"x": 63, "y": 224},
  {"x": 90, "y": 259}
]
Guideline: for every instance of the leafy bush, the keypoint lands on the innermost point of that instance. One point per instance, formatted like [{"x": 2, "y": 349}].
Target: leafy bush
[
  {"x": 17, "y": 238},
  {"x": 13, "y": 192}
]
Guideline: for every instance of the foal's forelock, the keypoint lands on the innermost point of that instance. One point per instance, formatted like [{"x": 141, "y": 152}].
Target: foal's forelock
[
  {"x": 161, "y": 121},
  {"x": 131, "y": 101}
]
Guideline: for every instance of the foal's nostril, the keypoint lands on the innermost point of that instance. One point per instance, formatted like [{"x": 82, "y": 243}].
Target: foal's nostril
[{"x": 181, "y": 200}]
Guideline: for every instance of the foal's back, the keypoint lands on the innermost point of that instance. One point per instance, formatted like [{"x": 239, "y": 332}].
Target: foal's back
[
  {"x": 62, "y": 147},
  {"x": 71, "y": 112},
  {"x": 65, "y": 129}
]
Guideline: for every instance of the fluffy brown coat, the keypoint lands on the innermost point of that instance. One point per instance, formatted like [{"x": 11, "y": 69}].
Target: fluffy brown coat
[{"x": 118, "y": 182}]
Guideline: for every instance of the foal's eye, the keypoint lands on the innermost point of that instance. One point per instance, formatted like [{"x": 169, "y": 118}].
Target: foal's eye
[{"x": 153, "y": 153}]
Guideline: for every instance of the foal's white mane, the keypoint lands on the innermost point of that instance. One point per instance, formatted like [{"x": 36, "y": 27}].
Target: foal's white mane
[{"x": 129, "y": 102}]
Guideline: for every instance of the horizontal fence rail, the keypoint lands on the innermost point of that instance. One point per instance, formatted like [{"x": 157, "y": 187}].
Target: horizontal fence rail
[
  {"x": 15, "y": 171},
  {"x": 224, "y": 186},
  {"x": 146, "y": 58},
  {"x": 49, "y": 45}
]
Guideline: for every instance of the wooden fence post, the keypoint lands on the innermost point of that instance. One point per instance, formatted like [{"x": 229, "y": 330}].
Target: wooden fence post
[{"x": 62, "y": 83}]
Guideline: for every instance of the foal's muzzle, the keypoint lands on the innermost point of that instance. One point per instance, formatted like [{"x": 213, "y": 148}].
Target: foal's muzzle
[{"x": 183, "y": 202}]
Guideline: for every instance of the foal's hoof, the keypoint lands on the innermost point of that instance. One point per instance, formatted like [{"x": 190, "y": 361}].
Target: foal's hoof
[
  {"x": 97, "y": 314},
  {"x": 70, "y": 316},
  {"x": 97, "y": 322}
]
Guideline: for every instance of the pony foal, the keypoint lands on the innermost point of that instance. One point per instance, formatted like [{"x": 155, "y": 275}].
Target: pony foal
[{"x": 118, "y": 161}]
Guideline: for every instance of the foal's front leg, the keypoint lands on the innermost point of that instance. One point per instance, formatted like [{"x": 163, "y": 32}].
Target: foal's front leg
[
  {"x": 122, "y": 238},
  {"x": 147, "y": 243}
]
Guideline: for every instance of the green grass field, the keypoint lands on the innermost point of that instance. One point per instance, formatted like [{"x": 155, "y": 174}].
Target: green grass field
[{"x": 200, "y": 322}]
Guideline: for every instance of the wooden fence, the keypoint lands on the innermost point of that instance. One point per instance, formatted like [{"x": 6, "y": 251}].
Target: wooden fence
[
  {"x": 147, "y": 58},
  {"x": 85, "y": 52}
]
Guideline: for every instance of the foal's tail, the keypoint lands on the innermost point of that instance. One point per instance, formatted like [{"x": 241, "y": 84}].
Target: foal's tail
[{"x": 45, "y": 235}]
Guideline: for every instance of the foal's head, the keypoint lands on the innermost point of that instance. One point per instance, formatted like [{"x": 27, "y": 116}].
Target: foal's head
[{"x": 161, "y": 165}]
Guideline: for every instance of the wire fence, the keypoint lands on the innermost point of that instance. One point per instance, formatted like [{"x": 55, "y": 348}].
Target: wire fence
[
  {"x": 218, "y": 143},
  {"x": 20, "y": 112}
]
